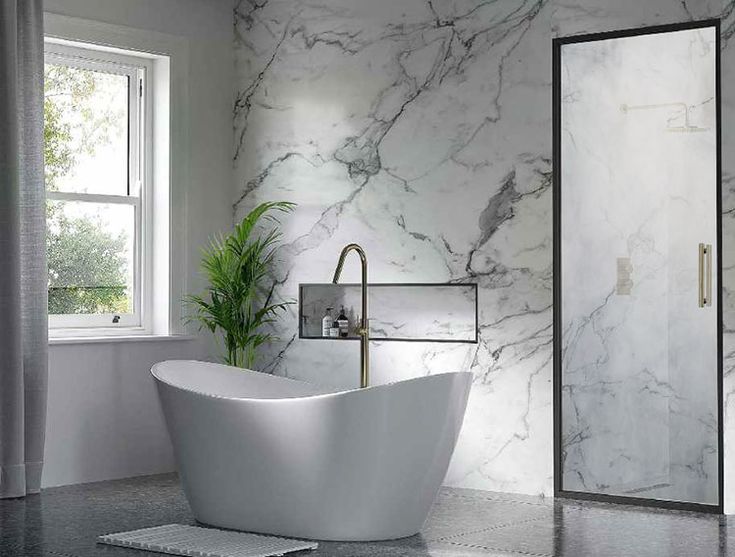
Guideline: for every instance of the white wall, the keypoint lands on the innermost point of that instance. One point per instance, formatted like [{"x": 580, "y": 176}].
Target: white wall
[
  {"x": 103, "y": 416},
  {"x": 104, "y": 420}
]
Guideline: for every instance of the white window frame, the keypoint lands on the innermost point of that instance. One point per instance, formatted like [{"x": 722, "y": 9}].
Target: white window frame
[{"x": 139, "y": 71}]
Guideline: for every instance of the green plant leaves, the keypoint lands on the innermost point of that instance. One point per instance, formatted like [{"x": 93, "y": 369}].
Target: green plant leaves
[{"x": 237, "y": 302}]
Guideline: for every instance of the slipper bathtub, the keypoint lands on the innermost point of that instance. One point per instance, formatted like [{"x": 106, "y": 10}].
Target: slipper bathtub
[{"x": 271, "y": 455}]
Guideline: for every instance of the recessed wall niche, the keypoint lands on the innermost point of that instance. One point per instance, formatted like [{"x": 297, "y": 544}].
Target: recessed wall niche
[{"x": 406, "y": 312}]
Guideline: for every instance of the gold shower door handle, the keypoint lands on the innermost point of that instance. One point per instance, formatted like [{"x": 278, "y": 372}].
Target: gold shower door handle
[{"x": 705, "y": 275}]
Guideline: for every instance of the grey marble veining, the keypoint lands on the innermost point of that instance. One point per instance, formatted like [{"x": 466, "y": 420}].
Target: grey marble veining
[
  {"x": 388, "y": 123},
  {"x": 422, "y": 130},
  {"x": 65, "y": 522}
]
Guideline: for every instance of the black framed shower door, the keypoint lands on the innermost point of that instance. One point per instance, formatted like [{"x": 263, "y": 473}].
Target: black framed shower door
[{"x": 606, "y": 391}]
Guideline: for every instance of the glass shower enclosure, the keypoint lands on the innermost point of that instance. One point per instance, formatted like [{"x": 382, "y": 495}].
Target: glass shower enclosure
[{"x": 637, "y": 314}]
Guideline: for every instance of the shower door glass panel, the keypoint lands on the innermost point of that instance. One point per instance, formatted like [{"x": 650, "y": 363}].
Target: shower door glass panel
[{"x": 639, "y": 370}]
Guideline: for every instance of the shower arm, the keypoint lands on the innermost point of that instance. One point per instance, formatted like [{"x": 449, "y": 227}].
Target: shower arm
[{"x": 627, "y": 108}]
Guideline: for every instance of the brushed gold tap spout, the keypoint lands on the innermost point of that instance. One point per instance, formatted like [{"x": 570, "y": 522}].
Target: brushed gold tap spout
[{"x": 364, "y": 329}]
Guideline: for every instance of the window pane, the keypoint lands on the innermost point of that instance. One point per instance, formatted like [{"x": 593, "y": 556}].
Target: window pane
[
  {"x": 86, "y": 130},
  {"x": 90, "y": 257}
]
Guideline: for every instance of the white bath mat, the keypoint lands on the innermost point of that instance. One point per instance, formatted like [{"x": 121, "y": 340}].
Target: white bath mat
[{"x": 178, "y": 539}]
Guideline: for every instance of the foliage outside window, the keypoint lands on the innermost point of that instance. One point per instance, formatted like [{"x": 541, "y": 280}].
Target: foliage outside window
[{"x": 94, "y": 183}]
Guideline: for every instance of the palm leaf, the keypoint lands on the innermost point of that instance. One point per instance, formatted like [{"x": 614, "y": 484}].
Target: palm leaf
[{"x": 237, "y": 303}]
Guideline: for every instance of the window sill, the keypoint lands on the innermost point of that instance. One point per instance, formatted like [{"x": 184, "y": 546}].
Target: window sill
[{"x": 53, "y": 341}]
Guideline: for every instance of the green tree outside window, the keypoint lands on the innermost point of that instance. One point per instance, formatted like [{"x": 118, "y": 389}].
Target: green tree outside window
[{"x": 87, "y": 269}]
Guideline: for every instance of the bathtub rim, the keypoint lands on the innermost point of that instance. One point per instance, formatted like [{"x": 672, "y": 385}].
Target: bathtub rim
[{"x": 369, "y": 388}]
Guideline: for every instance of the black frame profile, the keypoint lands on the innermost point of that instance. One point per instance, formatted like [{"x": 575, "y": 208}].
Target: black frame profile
[{"x": 557, "y": 44}]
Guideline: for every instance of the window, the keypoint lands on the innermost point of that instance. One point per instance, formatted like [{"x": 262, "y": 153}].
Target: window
[{"x": 98, "y": 189}]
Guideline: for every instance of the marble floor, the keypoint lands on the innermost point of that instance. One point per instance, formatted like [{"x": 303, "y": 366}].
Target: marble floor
[{"x": 64, "y": 522}]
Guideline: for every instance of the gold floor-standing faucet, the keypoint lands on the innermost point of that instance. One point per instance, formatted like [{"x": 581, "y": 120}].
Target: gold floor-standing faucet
[{"x": 364, "y": 329}]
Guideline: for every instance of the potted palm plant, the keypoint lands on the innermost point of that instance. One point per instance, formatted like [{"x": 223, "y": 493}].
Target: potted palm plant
[{"x": 238, "y": 302}]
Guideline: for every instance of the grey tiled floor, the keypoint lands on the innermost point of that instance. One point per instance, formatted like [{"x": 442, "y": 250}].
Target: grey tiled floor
[{"x": 64, "y": 522}]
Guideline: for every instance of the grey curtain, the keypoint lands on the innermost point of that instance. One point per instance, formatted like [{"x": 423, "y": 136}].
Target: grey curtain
[{"x": 23, "y": 275}]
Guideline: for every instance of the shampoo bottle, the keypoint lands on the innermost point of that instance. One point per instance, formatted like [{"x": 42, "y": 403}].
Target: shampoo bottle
[
  {"x": 327, "y": 322},
  {"x": 344, "y": 323}
]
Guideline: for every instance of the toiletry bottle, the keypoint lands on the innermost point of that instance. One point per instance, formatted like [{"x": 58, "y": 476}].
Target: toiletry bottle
[
  {"x": 353, "y": 322},
  {"x": 334, "y": 330},
  {"x": 327, "y": 322},
  {"x": 344, "y": 323}
]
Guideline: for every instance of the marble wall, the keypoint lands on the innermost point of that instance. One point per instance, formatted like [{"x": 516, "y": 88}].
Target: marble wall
[{"x": 421, "y": 129}]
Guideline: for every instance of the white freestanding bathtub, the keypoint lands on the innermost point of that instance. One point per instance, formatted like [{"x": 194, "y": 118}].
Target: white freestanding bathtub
[{"x": 272, "y": 455}]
